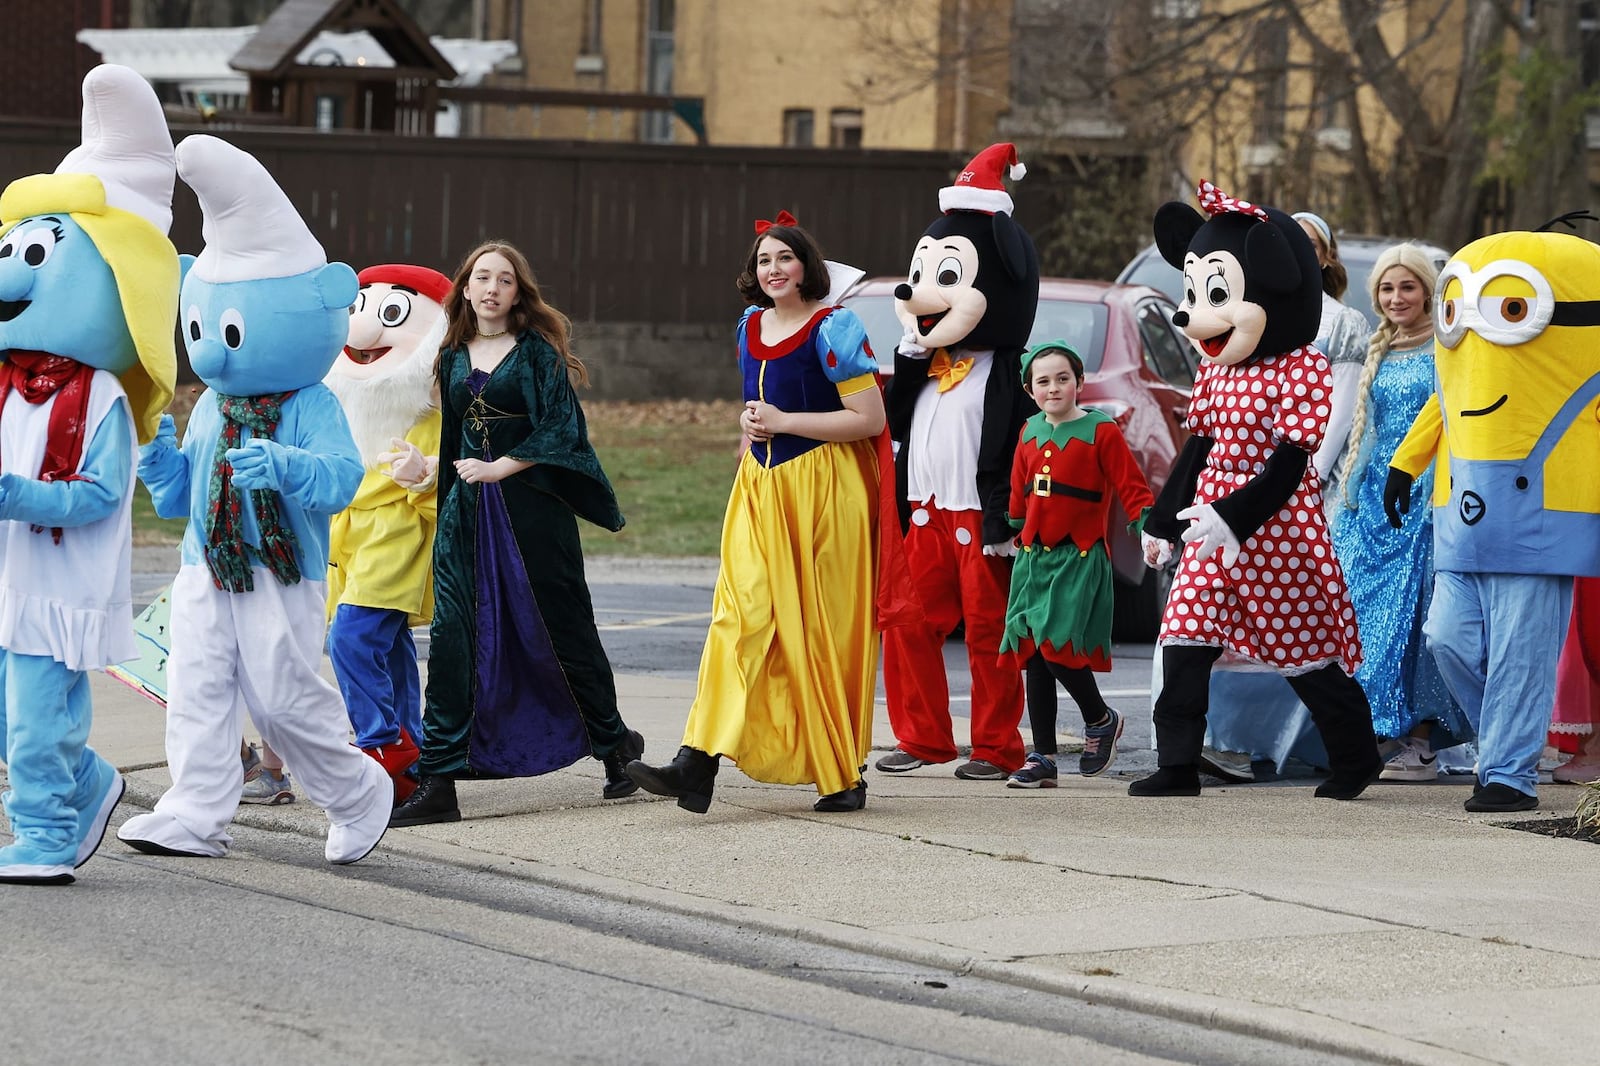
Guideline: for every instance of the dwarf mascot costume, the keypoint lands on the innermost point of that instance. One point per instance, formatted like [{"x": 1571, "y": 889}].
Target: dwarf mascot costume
[
  {"x": 956, "y": 406},
  {"x": 266, "y": 460},
  {"x": 1512, "y": 432},
  {"x": 380, "y": 548},
  {"x": 1244, "y": 483},
  {"x": 88, "y": 295}
]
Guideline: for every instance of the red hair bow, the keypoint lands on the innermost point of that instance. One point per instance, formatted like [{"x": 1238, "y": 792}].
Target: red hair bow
[
  {"x": 1216, "y": 202},
  {"x": 784, "y": 219}
]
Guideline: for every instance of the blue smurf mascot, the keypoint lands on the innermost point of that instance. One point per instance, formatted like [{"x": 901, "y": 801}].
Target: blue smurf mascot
[
  {"x": 266, "y": 460},
  {"x": 88, "y": 296}
]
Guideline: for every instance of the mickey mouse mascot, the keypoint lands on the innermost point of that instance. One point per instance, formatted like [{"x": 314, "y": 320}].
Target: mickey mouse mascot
[
  {"x": 956, "y": 406},
  {"x": 1244, "y": 484}
]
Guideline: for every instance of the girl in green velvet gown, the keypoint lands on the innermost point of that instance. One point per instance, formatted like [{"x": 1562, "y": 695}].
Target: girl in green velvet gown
[{"x": 512, "y": 420}]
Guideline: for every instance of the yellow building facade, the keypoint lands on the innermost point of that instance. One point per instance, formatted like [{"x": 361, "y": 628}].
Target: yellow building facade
[{"x": 831, "y": 73}]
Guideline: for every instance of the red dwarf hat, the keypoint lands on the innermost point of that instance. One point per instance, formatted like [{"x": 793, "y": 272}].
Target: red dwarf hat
[
  {"x": 430, "y": 283},
  {"x": 979, "y": 186}
]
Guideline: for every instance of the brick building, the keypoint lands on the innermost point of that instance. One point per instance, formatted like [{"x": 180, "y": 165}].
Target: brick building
[{"x": 42, "y": 75}]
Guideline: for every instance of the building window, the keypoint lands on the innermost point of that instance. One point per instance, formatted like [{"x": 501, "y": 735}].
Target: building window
[
  {"x": 844, "y": 128},
  {"x": 328, "y": 112},
  {"x": 1272, "y": 81},
  {"x": 799, "y": 128},
  {"x": 659, "y": 49}
]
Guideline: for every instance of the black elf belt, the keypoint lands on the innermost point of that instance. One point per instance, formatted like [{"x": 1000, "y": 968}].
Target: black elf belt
[{"x": 1043, "y": 486}]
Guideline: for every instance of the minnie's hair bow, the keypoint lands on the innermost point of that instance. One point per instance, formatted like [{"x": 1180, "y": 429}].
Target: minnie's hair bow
[
  {"x": 1215, "y": 202},
  {"x": 784, "y": 219}
]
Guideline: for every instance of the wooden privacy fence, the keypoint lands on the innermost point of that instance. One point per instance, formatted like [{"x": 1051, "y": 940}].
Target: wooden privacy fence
[{"x": 615, "y": 232}]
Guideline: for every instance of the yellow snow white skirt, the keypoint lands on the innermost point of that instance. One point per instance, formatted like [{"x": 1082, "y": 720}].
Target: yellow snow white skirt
[{"x": 789, "y": 671}]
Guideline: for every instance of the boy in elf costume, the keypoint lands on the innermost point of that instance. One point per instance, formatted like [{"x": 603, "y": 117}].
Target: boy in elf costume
[
  {"x": 88, "y": 295},
  {"x": 266, "y": 460},
  {"x": 380, "y": 548}
]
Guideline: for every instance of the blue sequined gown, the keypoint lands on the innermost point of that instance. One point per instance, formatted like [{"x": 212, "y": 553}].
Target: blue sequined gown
[{"x": 1390, "y": 571}]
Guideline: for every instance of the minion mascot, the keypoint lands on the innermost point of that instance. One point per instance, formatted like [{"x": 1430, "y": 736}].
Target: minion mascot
[
  {"x": 1512, "y": 427},
  {"x": 956, "y": 406},
  {"x": 266, "y": 460},
  {"x": 1244, "y": 483},
  {"x": 380, "y": 549},
  {"x": 88, "y": 296}
]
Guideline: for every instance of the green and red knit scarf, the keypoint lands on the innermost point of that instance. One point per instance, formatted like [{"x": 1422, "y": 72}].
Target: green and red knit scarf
[{"x": 227, "y": 555}]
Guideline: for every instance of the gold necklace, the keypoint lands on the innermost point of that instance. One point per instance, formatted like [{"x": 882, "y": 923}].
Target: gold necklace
[{"x": 488, "y": 336}]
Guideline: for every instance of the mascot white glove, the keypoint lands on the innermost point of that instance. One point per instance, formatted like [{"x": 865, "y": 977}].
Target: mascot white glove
[
  {"x": 409, "y": 468},
  {"x": 1207, "y": 527},
  {"x": 909, "y": 347},
  {"x": 1006, "y": 549},
  {"x": 1157, "y": 552}
]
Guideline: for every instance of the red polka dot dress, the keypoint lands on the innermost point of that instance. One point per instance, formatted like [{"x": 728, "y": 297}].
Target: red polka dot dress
[{"x": 1283, "y": 603}]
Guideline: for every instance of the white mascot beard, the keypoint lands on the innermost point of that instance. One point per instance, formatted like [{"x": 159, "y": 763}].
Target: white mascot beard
[{"x": 388, "y": 405}]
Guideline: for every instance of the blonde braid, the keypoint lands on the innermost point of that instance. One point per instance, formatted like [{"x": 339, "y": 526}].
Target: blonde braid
[{"x": 1377, "y": 348}]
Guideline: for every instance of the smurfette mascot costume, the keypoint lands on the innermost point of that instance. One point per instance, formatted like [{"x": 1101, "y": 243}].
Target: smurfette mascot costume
[
  {"x": 88, "y": 295},
  {"x": 266, "y": 460}
]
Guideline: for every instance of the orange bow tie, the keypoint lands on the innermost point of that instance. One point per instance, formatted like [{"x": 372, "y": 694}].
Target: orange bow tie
[{"x": 947, "y": 371}]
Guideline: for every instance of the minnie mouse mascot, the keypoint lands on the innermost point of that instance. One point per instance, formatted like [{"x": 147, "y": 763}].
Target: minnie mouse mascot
[{"x": 1244, "y": 484}]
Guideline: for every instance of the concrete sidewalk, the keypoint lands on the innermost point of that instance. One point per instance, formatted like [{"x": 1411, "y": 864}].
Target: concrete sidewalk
[{"x": 1397, "y": 928}]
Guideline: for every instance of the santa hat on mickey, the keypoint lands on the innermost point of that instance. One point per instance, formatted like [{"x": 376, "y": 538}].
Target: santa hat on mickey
[{"x": 979, "y": 186}]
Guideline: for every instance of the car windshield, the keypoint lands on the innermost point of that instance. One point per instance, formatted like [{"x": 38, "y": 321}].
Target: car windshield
[{"x": 1082, "y": 325}]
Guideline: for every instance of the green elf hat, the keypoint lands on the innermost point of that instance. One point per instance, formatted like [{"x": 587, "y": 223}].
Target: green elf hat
[{"x": 1052, "y": 346}]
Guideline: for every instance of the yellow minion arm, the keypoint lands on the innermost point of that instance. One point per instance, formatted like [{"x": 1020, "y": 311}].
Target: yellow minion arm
[{"x": 1421, "y": 443}]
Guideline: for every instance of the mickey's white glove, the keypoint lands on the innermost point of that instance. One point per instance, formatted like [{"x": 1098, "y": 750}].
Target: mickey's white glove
[
  {"x": 1207, "y": 527},
  {"x": 1004, "y": 550},
  {"x": 1157, "y": 552},
  {"x": 908, "y": 346}
]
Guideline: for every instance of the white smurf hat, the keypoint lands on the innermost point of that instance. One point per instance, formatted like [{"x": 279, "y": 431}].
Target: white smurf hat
[
  {"x": 126, "y": 144},
  {"x": 251, "y": 229}
]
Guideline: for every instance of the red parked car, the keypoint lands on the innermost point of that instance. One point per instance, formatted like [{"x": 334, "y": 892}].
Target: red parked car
[{"x": 1139, "y": 369}]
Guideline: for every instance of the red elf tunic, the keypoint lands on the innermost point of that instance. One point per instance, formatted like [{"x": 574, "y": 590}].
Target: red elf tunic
[{"x": 1061, "y": 595}]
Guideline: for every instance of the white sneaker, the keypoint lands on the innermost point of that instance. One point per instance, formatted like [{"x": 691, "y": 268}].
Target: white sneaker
[{"x": 1414, "y": 761}]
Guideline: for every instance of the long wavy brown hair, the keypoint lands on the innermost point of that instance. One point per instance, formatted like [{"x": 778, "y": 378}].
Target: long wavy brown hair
[{"x": 529, "y": 312}]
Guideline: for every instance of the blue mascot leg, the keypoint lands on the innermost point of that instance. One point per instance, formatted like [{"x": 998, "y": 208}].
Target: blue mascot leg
[
  {"x": 359, "y": 645},
  {"x": 62, "y": 793},
  {"x": 1527, "y": 621},
  {"x": 1457, "y": 637}
]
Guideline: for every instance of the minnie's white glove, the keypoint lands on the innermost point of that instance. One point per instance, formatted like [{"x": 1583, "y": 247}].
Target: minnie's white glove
[
  {"x": 1157, "y": 552},
  {"x": 1006, "y": 549},
  {"x": 1207, "y": 527},
  {"x": 908, "y": 346}
]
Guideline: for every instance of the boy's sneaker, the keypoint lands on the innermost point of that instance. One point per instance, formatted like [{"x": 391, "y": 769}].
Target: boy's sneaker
[
  {"x": 1038, "y": 772},
  {"x": 267, "y": 788},
  {"x": 1231, "y": 766},
  {"x": 1414, "y": 761},
  {"x": 1100, "y": 745}
]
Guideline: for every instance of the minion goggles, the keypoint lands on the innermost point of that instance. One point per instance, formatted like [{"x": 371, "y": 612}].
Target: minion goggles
[{"x": 1504, "y": 320}]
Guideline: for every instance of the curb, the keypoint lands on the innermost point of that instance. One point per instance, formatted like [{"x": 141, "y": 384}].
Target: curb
[{"x": 1281, "y": 1025}]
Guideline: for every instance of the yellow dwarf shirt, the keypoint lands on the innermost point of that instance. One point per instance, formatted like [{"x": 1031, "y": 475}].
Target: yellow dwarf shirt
[{"x": 380, "y": 548}]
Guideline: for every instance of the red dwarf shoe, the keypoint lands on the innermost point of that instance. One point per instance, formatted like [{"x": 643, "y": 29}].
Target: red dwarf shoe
[{"x": 396, "y": 759}]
